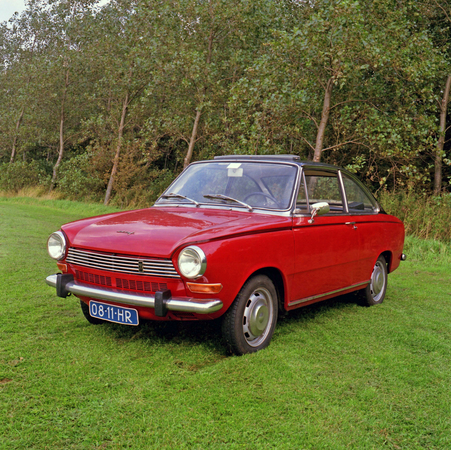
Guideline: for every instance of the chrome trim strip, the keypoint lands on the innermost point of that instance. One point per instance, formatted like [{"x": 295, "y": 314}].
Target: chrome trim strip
[
  {"x": 189, "y": 305},
  {"x": 314, "y": 297},
  {"x": 122, "y": 264},
  {"x": 343, "y": 193},
  {"x": 267, "y": 212}
]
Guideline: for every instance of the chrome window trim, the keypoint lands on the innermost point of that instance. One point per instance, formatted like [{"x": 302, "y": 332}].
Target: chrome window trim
[
  {"x": 324, "y": 169},
  {"x": 266, "y": 212},
  {"x": 344, "y": 199},
  {"x": 301, "y": 180},
  {"x": 346, "y": 211}
]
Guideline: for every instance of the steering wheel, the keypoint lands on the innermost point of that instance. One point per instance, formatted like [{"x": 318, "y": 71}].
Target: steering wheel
[{"x": 270, "y": 197}]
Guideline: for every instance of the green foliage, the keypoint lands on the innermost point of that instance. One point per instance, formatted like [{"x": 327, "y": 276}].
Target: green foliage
[
  {"x": 21, "y": 174},
  {"x": 423, "y": 216},
  {"x": 142, "y": 193},
  {"x": 221, "y": 77},
  {"x": 78, "y": 179},
  {"x": 138, "y": 183}
]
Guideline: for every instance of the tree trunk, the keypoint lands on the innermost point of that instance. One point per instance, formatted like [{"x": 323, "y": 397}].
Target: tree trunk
[
  {"x": 18, "y": 123},
  {"x": 192, "y": 141},
  {"x": 118, "y": 149},
  {"x": 441, "y": 139},
  {"x": 61, "y": 143},
  {"x": 324, "y": 120},
  {"x": 16, "y": 135}
]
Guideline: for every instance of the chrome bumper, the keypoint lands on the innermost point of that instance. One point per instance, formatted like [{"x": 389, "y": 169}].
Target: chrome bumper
[{"x": 190, "y": 305}]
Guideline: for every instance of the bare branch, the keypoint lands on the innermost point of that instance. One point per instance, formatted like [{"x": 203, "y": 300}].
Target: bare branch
[
  {"x": 443, "y": 9},
  {"x": 344, "y": 143},
  {"x": 307, "y": 142},
  {"x": 310, "y": 117},
  {"x": 348, "y": 101}
]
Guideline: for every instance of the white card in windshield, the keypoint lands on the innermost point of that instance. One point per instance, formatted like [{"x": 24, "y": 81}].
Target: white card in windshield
[{"x": 234, "y": 170}]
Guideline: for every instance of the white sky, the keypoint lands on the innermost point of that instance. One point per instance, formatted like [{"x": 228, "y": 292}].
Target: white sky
[{"x": 9, "y": 7}]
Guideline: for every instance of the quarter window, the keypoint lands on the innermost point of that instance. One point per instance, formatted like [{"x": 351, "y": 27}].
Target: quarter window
[{"x": 357, "y": 198}]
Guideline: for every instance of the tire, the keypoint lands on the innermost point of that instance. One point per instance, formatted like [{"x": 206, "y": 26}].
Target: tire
[
  {"x": 89, "y": 318},
  {"x": 248, "y": 325},
  {"x": 374, "y": 293}
]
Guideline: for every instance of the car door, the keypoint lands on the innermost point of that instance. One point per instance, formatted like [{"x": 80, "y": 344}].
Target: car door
[
  {"x": 363, "y": 210},
  {"x": 327, "y": 249}
]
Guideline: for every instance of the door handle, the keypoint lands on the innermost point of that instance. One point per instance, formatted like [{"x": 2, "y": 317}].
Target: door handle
[{"x": 354, "y": 226}]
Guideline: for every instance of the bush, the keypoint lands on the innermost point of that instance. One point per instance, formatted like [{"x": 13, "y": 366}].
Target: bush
[
  {"x": 77, "y": 179},
  {"x": 424, "y": 217},
  {"x": 21, "y": 174},
  {"x": 143, "y": 192}
]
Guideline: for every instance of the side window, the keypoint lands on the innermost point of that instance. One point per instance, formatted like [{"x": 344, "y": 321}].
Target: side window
[
  {"x": 358, "y": 200},
  {"x": 324, "y": 187}
]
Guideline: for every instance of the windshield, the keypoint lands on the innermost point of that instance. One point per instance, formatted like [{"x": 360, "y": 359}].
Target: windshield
[{"x": 245, "y": 185}]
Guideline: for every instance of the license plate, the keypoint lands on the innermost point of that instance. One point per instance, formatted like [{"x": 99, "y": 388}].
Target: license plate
[{"x": 117, "y": 314}]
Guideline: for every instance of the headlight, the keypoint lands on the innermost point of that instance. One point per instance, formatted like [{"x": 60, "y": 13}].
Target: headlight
[
  {"x": 56, "y": 245},
  {"x": 192, "y": 262}
]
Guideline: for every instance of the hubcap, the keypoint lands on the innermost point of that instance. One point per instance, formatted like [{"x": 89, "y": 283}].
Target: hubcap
[
  {"x": 377, "y": 281},
  {"x": 258, "y": 316}
]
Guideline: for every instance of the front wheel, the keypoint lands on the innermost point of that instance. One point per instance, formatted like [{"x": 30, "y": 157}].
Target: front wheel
[
  {"x": 248, "y": 325},
  {"x": 374, "y": 293}
]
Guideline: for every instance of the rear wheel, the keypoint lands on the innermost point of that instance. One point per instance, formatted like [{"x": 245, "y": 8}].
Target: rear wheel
[
  {"x": 249, "y": 323},
  {"x": 374, "y": 293},
  {"x": 89, "y": 318}
]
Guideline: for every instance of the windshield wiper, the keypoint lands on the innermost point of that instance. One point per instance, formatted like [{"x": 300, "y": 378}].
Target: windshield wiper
[
  {"x": 230, "y": 199},
  {"x": 172, "y": 195}
]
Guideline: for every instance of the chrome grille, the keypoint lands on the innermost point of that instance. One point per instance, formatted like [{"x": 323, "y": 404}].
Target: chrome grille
[{"x": 122, "y": 264}]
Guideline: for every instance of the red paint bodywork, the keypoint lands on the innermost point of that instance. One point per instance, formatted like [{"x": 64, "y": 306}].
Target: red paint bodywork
[{"x": 305, "y": 260}]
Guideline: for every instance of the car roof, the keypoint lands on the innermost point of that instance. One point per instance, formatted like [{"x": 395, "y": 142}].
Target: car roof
[{"x": 282, "y": 158}]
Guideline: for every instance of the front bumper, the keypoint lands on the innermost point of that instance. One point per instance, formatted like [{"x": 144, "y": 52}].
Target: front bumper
[{"x": 161, "y": 302}]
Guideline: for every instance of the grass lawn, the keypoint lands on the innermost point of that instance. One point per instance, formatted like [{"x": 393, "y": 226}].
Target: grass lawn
[{"x": 336, "y": 375}]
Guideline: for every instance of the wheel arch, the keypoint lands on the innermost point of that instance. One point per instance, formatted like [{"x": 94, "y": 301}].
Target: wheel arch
[
  {"x": 275, "y": 275},
  {"x": 388, "y": 259}
]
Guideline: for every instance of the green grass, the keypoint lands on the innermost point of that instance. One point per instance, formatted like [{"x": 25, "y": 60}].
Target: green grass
[{"x": 336, "y": 375}]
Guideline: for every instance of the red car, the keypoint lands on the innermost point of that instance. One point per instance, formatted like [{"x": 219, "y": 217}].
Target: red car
[{"x": 238, "y": 238}]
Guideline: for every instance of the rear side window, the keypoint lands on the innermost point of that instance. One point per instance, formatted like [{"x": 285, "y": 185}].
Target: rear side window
[{"x": 357, "y": 198}]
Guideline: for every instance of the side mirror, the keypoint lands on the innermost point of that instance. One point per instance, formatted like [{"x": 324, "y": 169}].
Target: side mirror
[{"x": 318, "y": 209}]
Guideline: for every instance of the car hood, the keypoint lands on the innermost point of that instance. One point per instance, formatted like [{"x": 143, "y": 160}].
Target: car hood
[{"x": 159, "y": 231}]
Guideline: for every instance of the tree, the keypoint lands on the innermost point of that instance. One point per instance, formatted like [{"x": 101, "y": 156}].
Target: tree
[
  {"x": 67, "y": 20},
  {"x": 439, "y": 21},
  {"x": 21, "y": 43},
  {"x": 351, "y": 78},
  {"x": 126, "y": 55},
  {"x": 211, "y": 45}
]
